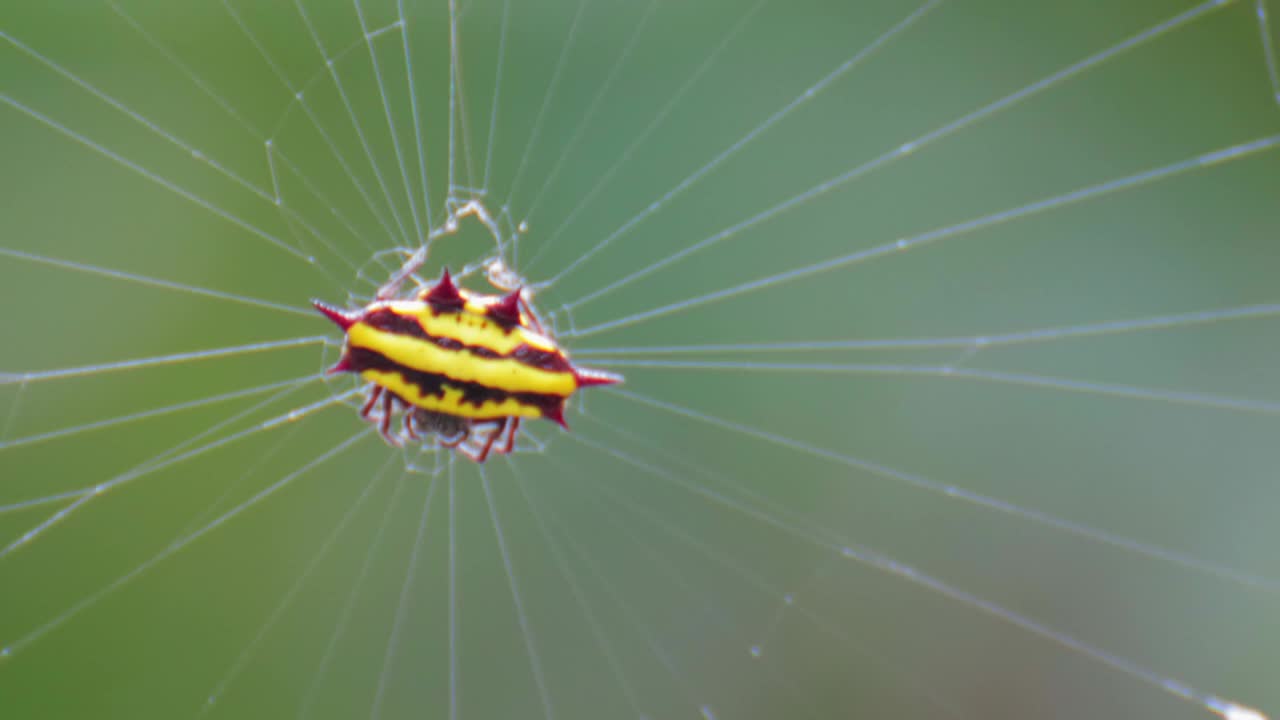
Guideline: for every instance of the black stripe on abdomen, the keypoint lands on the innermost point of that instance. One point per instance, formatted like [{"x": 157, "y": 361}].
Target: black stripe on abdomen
[
  {"x": 432, "y": 384},
  {"x": 389, "y": 321}
]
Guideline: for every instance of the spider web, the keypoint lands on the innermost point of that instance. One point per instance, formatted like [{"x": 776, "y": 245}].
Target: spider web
[{"x": 948, "y": 329}]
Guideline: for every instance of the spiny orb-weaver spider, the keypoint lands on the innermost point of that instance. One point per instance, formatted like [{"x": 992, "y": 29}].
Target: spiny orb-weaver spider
[{"x": 465, "y": 366}]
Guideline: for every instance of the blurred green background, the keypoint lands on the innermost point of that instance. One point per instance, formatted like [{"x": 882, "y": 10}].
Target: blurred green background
[{"x": 651, "y": 551}]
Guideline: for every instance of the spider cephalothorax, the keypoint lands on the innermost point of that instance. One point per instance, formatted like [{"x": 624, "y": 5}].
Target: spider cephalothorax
[{"x": 462, "y": 365}]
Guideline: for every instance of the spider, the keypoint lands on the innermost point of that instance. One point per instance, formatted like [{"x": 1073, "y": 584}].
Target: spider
[{"x": 461, "y": 365}]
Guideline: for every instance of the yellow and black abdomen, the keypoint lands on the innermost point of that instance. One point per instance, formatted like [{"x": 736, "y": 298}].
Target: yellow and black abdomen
[
  {"x": 459, "y": 362},
  {"x": 458, "y": 353}
]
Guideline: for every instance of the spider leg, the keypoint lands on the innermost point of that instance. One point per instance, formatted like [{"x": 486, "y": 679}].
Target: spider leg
[
  {"x": 470, "y": 453},
  {"x": 534, "y": 321},
  {"x": 471, "y": 446},
  {"x": 489, "y": 440},
  {"x": 409, "y": 428},
  {"x": 384, "y": 426},
  {"x": 374, "y": 394},
  {"x": 453, "y": 442},
  {"x": 509, "y": 443}
]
